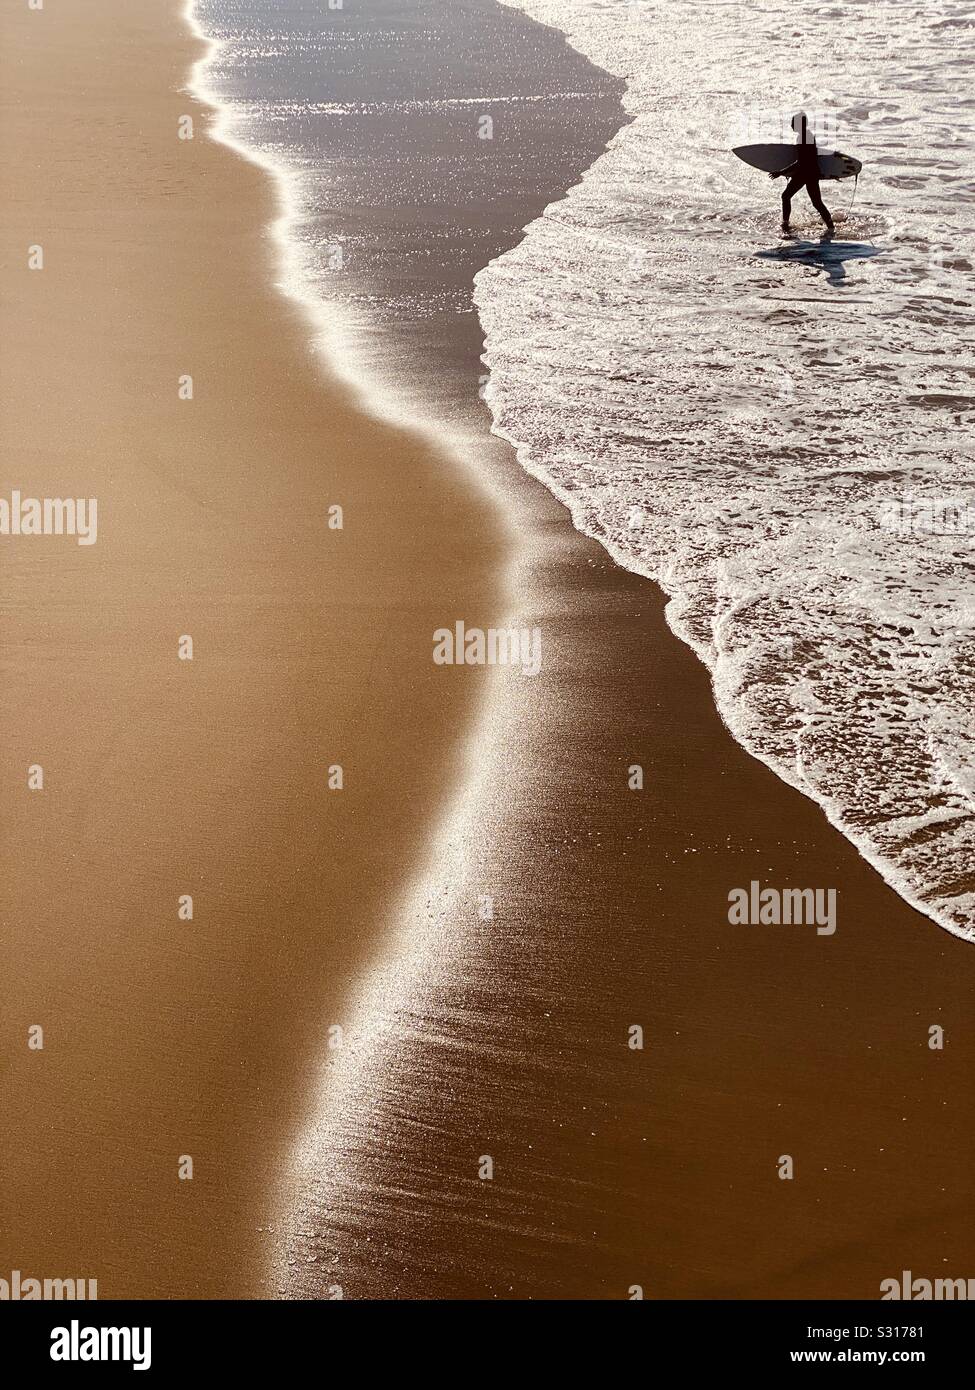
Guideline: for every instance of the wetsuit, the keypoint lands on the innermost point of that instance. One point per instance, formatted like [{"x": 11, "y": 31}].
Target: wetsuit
[{"x": 804, "y": 173}]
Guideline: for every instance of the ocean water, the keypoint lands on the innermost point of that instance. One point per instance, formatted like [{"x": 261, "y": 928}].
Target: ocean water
[
  {"x": 396, "y": 189},
  {"x": 778, "y": 432}
]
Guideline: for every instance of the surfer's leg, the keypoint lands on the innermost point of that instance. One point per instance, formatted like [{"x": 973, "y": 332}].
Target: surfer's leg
[
  {"x": 791, "y": 188},
  {"x": 816, "y": 198}
]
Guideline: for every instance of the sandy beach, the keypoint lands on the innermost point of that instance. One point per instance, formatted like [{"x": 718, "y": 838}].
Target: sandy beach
[
  {"x": 163, "y": 777},
  {"x": 504, "y": 1035}
]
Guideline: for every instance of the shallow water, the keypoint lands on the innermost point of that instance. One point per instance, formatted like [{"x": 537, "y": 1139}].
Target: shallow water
[
  {"x": 399, "y": 190},
  {"x": 780, "y": 432}
]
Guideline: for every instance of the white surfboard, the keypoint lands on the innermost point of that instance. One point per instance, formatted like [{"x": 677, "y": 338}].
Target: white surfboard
[{"x": 772, "y": 158}]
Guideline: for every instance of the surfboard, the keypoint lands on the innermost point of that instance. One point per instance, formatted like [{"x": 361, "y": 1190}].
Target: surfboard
[{"x": 772, "y": 158}]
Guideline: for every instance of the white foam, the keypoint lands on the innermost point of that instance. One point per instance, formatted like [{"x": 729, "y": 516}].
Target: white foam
[{"x": 744, "y": 427}]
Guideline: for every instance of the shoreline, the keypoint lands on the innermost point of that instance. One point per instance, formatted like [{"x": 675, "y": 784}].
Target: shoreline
[
  {"x": 881, "y": 867},
  {"x": 328, "y": 331}
]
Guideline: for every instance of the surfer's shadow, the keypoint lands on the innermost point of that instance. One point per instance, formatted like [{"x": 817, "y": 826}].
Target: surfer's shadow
[{"x": 828, "y": 256}]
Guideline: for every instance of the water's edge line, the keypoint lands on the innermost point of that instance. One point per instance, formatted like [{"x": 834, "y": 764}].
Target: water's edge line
[
  {"x": 450, "y": 819},
  {"x": 876, "y": 861},
  {"x": 329, "y": 328}
]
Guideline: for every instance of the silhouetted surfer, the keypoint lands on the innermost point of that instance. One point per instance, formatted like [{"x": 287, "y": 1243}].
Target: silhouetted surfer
[{"x": 804, "y": 173}]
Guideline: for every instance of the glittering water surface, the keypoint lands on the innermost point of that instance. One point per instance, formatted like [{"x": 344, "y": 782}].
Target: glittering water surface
[
  {"x": 780, "y": 432},
  {"x": 417, "y": 140}
]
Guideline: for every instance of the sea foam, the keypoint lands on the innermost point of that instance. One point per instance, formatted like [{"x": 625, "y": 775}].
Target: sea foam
[{"x": 761, "y": 426}]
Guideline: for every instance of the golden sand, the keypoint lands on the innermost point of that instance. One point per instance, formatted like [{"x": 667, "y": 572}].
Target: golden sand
[{"x": 164, "y": 777}]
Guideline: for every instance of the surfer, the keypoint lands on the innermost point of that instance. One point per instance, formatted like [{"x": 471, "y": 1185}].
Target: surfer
[{"x": 803, "y": 173}]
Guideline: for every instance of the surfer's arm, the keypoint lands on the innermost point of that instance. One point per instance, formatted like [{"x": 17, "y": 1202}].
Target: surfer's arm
[{"x": 791, "y": 169}]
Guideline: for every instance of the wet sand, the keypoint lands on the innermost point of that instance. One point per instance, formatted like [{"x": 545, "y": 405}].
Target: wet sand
[
  {"x": 163, "y": 777},
  {"x": 658, "y": 1168}
]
